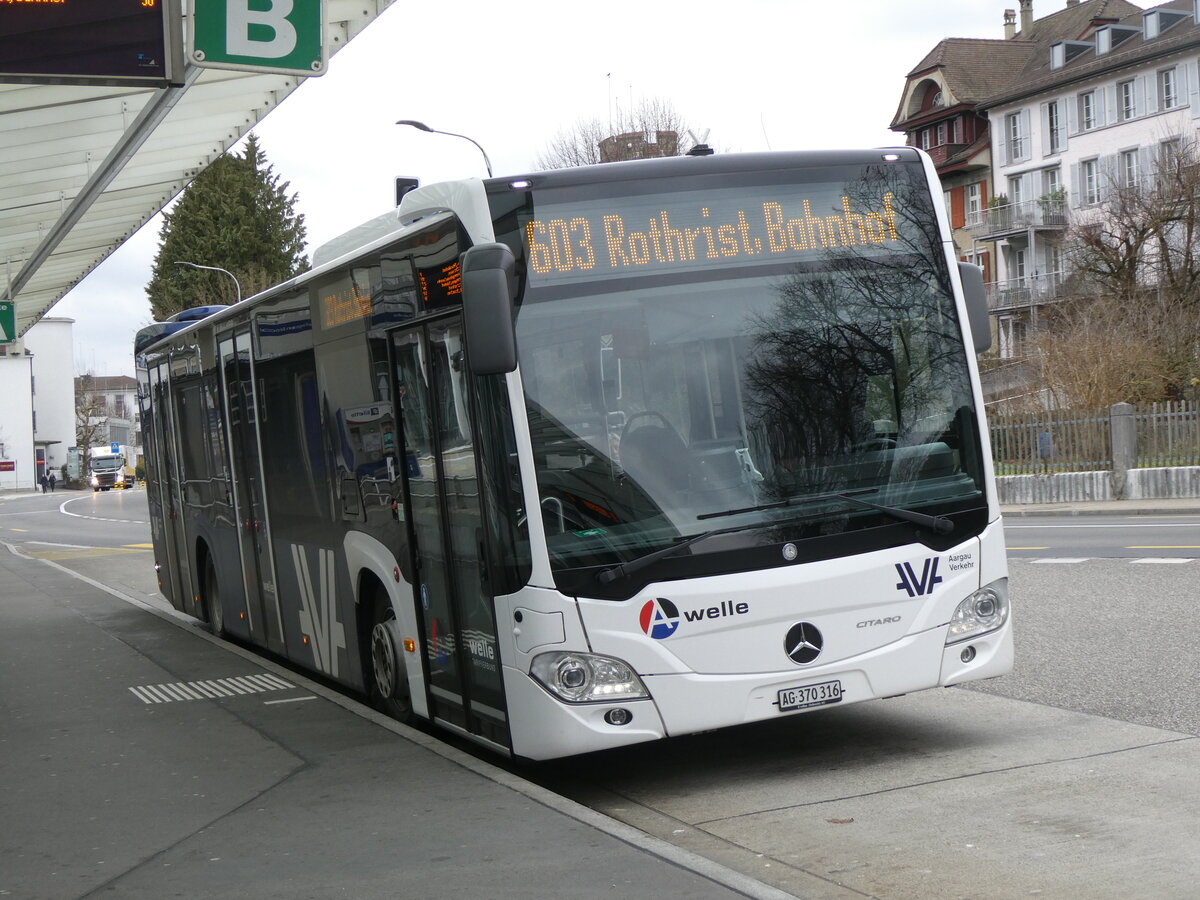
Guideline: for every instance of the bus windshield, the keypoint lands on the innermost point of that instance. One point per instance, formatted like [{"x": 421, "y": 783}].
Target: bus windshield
[{"x": 735, "y": 355}]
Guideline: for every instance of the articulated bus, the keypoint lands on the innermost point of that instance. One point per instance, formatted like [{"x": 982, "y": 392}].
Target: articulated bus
[{"x": 595, "y": 456}]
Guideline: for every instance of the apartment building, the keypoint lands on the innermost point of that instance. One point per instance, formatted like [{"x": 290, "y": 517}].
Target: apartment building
[
  {"x": 1087, "y": 116},
  {"x": 1078, "y": 104}
]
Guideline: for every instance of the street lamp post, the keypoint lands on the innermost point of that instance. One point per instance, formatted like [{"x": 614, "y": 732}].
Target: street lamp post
[
  {"x": 421, "y": 126},
  {"x": 191, "y": 265}
]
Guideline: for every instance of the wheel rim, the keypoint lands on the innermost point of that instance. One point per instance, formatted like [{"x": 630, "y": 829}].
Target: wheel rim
[{"x": 383, "y": 660}]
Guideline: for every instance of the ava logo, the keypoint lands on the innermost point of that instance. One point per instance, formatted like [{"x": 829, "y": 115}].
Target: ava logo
[
  {"x": 659, "y": 618},
  {"x": 919, "y": 587},
  {"x": 318, "y": 608}
]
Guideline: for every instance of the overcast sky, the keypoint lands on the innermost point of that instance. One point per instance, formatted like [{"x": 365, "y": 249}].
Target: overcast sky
[{"x": 755, "y": 75}]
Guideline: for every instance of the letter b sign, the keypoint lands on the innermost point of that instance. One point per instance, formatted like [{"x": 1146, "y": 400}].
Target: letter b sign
[{"x": 259, "y": 35}]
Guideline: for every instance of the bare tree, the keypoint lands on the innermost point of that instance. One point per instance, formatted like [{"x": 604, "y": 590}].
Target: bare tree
[
  {"x": 91, "y": 418},
  {"x": 579, "y": 145},
  {"x": 1133, "y": 330}
]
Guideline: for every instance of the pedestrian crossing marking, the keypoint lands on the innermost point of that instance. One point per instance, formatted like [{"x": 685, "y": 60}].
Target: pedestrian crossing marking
[{"x": 210, "y": 689}]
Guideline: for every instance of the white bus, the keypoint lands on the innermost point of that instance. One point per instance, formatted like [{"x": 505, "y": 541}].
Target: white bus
[{"x": 599, "y": 455}]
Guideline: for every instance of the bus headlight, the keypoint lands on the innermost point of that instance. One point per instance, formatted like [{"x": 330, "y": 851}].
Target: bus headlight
[
  {"x": 95, "y": 481},
  {"x": 586, "y": 677},
  {"x": 983, "y": 611}
]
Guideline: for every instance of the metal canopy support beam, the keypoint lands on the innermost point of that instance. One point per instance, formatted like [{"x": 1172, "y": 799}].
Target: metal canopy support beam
[{"x": 139, "y": 131}]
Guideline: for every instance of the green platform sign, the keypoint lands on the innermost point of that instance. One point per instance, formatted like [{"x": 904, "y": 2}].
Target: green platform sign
[
  {"x": 8, "y": 322},
  {"x": 285, "y": 36}
]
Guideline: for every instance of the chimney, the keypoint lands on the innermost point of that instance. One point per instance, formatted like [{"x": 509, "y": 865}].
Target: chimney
[
  {"x": 1026, "y": 18},
  {"x": 1010, "y": 24}
]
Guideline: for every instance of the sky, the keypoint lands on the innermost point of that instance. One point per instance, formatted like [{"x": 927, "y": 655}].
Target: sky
[{"x": 753, "y": 75}]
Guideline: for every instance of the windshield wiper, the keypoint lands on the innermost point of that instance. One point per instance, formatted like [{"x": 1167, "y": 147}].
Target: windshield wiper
[
  {"x": 624, "y": 570},
  {"x": 937, "y": 524}
]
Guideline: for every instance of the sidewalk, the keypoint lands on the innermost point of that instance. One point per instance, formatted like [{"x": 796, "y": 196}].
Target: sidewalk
[
  {"x": 149, "y": 760},
  {"x": 1181, "y": 506}
]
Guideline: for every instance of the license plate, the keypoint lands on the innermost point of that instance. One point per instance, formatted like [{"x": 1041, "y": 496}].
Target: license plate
[{"x": 821, "y": 694}]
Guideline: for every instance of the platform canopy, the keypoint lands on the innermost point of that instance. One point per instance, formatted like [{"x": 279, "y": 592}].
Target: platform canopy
[{"x": 83, "y": 167}]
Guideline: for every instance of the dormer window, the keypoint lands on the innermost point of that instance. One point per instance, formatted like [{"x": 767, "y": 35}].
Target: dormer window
[
  {"x": 1110, "y": 37},
  {"x": 1065, "y": 51},
  {"x": 1156, "y": 21}
]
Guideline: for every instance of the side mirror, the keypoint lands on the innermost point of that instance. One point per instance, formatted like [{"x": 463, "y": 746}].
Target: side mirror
[
  {"x": 977, "y": 312},
  {"x": 487, "y": 273}
]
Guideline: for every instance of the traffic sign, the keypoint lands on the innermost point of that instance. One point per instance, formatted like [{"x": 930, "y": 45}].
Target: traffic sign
[
  {"x": 8, "y": 322},
  {"x": 259, "y": 35}
]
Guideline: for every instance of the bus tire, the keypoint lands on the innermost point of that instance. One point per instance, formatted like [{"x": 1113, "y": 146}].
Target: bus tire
[
  {"x": 213, "y": 612},
  {"x": 386, "y": 677}
]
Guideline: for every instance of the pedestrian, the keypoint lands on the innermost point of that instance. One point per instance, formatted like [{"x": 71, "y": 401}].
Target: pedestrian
[
  {"x": 52, "y": 482},
  {"x": 45, "y": 481}
]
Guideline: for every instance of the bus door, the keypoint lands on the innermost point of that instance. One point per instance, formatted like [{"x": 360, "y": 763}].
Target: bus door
[
  {"x": 237, "y": 379},
  {"x": 170, "y": 541},
  {"x": 453, "y": 605}
]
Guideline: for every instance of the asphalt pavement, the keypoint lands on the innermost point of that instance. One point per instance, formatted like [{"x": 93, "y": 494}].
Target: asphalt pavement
[{"x": 140, "y": 757}]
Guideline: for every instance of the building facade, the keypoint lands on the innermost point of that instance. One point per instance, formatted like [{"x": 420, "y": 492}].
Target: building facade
[
  {"x": 37, "y": 404},
  {"x": 1075, "y": 102},
  {"x": 1090, "y": 116}
]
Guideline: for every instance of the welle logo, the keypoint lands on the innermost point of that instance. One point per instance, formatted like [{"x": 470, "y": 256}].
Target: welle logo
[{"x": 922, "y": 585}]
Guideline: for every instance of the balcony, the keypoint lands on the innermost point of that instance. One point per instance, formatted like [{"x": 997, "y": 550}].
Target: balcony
[
  {"x": 997, "y": 222},
  {"x": 1022, "y": 293}
]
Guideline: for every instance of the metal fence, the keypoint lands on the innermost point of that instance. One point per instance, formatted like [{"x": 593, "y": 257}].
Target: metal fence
[
  {"x": 1168, "y": 434},
  {"x": 1051, "y": 441}
]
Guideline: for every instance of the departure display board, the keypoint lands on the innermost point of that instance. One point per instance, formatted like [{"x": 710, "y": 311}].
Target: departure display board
[
  {"x": 688, "y": 231},
  {"x": 86, "y": 41}
]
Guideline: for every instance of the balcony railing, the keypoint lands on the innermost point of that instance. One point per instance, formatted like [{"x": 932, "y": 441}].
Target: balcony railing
[
  {"x": 1028, "y": 291},
  {"x": 1013, "y": 217}
]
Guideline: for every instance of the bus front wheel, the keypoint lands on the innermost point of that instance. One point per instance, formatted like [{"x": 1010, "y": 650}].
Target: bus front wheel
[{"x": 387, "y": 679}]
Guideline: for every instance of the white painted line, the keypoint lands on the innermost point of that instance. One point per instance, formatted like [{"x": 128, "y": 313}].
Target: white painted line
[
  {"x": 289, "y": 700},
  {"x": 1065, "y": 560},
  {"x": 1162, "y": 560}
]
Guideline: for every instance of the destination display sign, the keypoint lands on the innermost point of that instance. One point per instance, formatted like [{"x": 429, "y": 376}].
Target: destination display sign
[{"x": 690, "y": 230}]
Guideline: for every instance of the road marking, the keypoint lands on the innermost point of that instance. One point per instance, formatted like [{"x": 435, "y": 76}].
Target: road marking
[
  {"x": 1166, "y": 560},
  {"x": 1065, "y": 560},
  {"x": 289, "y": 700},
  {"x": 66, "y": 512},
  {"x": 82, "y": 552},
  {"x": 212, "y": 689},
  {"x": 1008, "y": 523}
]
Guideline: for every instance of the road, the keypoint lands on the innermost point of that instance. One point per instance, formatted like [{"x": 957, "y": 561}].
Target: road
[
  {"x": 1074, "y": 776},
  {"x": 1134, "y": 537}
]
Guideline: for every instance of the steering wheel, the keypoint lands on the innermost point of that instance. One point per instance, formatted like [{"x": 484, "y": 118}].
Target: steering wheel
[{"x": 655, "y": 414}]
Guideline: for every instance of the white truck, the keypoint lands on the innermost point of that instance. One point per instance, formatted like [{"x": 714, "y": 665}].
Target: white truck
[{"x": 111, "y": 466}]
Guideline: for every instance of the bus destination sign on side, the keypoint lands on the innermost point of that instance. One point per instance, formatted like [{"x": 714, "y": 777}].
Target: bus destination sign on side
[{"x": 590, "y": 241}]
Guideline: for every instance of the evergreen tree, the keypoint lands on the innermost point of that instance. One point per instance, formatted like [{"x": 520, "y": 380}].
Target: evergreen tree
[{"x": 237, "y": 216}]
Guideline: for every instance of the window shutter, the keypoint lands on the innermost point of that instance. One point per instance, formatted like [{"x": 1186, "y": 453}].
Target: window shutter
[
  {"x": 1026, "y": 135},
  {"x": 1108, "y": 109},
  {"x": 1073, "y": 115},
  {"x": 1193, "y": 87},
  {"x": 1045, "y": 129},
  {"x": 1150, "y": 90},
  {"x": 1076, "y": 185}
]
